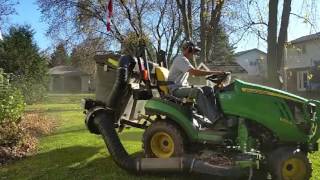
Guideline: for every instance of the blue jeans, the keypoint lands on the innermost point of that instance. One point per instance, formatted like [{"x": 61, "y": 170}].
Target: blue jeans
[{"x": 204, "y": 99}]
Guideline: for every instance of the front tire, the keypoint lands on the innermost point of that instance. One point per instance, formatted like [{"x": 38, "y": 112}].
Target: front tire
[
  {"x": 289, "y": 164},
  {"x": 163, "y": 139}
]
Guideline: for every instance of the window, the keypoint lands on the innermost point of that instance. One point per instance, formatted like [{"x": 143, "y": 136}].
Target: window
[
  {"x": 315, "y": 64},
  {"x": 301, "y": 49},
  {"x": 302, "y": 80},
  {"x": 253, "y": 63}
]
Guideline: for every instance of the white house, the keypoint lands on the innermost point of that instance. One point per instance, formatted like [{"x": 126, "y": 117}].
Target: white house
[
  {"x": 301, "y": 63},
  {"x": 254, "y": 61}
]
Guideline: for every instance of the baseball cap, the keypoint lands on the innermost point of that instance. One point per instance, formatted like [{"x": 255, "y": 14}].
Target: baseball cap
[{"x": 188, "y": 44}]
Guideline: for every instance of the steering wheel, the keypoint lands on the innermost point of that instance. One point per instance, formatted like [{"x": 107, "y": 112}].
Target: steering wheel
[{"x": 218, "y": 78}]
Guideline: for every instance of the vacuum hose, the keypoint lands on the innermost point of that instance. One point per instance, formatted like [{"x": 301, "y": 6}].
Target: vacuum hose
[{"x": 105, "y": 122}]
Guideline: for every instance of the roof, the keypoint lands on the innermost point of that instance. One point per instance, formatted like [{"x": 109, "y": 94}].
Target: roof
[
  {"x": 306, "y": 38},
  {"x": 203, "y": 66},
  {"x": 233, "y": 67},
  {"x": 250, "y": 50},
  {"x": 66, "y": 71}
]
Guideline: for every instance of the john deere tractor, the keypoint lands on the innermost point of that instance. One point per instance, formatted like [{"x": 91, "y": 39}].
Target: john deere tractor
[{"x": 263, "y": 131}]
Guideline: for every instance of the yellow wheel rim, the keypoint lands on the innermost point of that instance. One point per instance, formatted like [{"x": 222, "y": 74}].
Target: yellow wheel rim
[
  {"x": 294, "y": 168},
  {"x": 162, "y": 145}
]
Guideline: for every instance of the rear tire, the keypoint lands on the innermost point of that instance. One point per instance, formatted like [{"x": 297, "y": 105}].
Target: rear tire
[
  {"x": 163, "y": 139},
  {"x": 289, "y": 164}
]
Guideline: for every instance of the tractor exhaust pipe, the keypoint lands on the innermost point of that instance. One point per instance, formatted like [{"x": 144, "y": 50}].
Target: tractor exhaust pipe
[{"x": 105, "y": 120}]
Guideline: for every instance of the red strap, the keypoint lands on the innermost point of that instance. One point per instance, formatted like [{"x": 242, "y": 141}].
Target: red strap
[
  {"x": 109, "y": 14},
  {"x": 145, "y": 75}
]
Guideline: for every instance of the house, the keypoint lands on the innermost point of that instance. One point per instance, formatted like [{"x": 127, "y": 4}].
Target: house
[
  {"x": 254, "y": 61},
  {"x": 302, "y": 64},
  {"x": 249, "y": 65},
  {"x": 237, "y": 71},
  {"x": 68, "y": 79}
]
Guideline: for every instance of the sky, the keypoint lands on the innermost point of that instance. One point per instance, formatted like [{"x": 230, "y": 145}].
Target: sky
[{"x": 28, "y": 13}]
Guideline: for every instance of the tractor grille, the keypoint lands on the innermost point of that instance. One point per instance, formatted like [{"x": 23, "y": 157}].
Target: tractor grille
[{"x": 302, "y": 115}]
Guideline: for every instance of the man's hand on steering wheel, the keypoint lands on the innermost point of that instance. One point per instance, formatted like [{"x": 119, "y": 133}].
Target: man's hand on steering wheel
[
  {"x": 220, "y": 73},
  {"x": 226, "y": 73}
]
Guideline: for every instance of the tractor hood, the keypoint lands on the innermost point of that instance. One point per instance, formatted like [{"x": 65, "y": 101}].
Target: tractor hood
[
  {"x": 246, "y": 87},
  {"x": 301, "y": 113}
]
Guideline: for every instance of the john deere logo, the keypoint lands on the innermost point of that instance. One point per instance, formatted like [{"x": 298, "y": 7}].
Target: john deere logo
[
  {"x": 285, "y": 121},
  {"x": 269, "y": 93}
]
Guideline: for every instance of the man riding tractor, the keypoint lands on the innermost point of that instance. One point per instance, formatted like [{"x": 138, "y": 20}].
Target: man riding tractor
[
  {"x": 262, "y": 131},
  {"x": 179, "y": 86}
]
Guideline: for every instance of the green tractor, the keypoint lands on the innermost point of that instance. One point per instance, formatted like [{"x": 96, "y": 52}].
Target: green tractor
[{"x": 263, "y": 132}]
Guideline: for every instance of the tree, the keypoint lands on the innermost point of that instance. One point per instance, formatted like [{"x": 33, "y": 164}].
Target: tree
[
  {"x": 276, "y": 42},
  {"x": 185, "y": 7},
  {"x": 82, "y": 56},
  {"x": 7, "y": 8},
  {"x": 166, "y": 22},
  {"x": 21, "y": 58},
  {"x": 273, "y": 29},
  {"x": 209, "y": 26},
  {"x": 168, "y": 29},
  {"x": 159, "y": 19},
  {"x": 209, "y": 17},
  {"x": 221, "y": 50},
  {"x": 59, "y": 56}
]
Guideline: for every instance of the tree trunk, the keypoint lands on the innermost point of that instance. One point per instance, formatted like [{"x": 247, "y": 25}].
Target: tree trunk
[
  {"x": 283, "y": 34},
  {"x": 185, "y": 18},
  {"x": 186, "y": 12},
  {"x": 272, "y": 44},
  {"x": 203, "y": 29},
  {"x": 189, "y": 8},
  {"x": 213, "y": 25}
]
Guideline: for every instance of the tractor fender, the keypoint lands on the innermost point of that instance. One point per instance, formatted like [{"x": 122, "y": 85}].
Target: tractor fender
[
  {"x": 174, "y": 112},
  {"x": 90, "y": 115}
]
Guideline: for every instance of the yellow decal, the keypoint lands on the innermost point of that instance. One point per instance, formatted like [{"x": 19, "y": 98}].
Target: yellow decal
[
  {"x": 113, "y": 62},
  {"x": 285, "y": 121},
  {"x": 269, "y": 93}
]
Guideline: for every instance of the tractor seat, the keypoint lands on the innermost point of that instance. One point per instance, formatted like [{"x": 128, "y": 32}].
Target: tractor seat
[{"x": 162, "y": 79}]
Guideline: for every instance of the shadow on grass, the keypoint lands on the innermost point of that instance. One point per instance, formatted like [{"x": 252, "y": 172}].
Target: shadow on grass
[
  {"x": 81, "y": 162},
  {"x": 43, "y": 165},
  {"x": 112, "y": 171}
]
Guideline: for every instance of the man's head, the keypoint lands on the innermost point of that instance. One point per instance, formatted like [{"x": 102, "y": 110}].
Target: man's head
[{"x": 189, "y": 49}]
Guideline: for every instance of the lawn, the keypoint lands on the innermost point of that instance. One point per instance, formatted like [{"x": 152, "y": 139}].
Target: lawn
[{"x": 71, "y": 152}]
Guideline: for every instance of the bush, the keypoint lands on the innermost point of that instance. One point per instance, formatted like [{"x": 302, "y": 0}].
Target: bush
[
  {"x": 20, "y": 56},
  {"x": 15, "y": 142},
  {"x": 32, "y": 90},
  {"x": 11, "y": 101},
  {"x": 18, "y": 140},
  {"x": 10, "y": 134}
]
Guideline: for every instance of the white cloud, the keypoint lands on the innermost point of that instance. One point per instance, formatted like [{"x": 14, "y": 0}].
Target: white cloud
[{"x": 1, "y": 38}]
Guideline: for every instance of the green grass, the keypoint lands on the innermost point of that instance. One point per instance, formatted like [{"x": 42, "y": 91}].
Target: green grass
[{"x": 71, "y": 152}]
